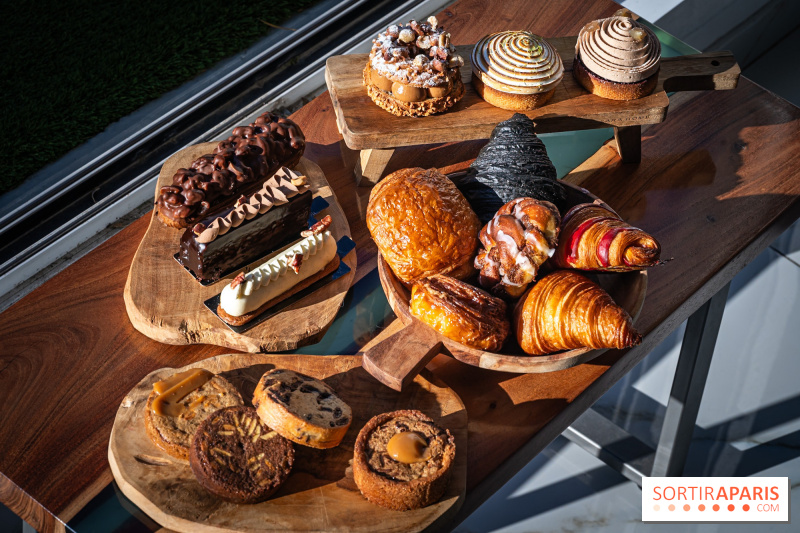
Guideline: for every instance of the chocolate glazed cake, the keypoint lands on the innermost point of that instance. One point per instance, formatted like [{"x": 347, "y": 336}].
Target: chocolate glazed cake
[
  {"x": 513, "y": 164},
  {"x": 238, "y": 165},
  {"x": 256, "y": 226}
]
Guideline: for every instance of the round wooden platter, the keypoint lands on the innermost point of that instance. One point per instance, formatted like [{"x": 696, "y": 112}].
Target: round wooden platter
[
  {"x": 396, "y": 360},
  {"x": 319, "y": 494},
  {"x": 166, "y": 303}
]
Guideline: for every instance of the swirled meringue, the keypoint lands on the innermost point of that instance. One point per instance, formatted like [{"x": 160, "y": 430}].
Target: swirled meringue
[
  {"x": 517, "y": 62},
  {"x": 609, "y": 49}
]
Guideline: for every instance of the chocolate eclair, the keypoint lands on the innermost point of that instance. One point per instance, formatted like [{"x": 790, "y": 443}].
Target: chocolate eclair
[{"x": 413, "y": 70}]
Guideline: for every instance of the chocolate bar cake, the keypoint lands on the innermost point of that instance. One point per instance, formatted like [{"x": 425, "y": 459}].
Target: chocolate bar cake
[{"x": 256, "y": 226}]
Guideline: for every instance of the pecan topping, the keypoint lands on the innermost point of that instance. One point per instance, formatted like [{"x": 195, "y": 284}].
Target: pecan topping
[
  {"x": 238, "y": 280},
  {"x": 318, "y": 228},
  {"x": 296, "y": 262}
]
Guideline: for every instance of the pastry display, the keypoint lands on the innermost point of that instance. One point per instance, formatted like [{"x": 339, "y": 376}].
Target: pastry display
[
  {"x": 617, "y": 58},
  {"x": 413, "y": 70},
  {"x": 565, "y": 310},
  {"x": 522, "y": 235},
  {"x": 177, "y": 406},
  {"x": 238, "y": 458},
  {"x": 237, "y": 166},
  {"x": 422, "y": 225},
  {"x": 513, "y": 164},
  {"x": 290, "y": 270},
  {"x": 461, "y": 312},
  {"x": 403, "y": 460},
  {"x": 593, "y": 237},
  {"x": 254, "y": 227},
  {"x": 302, "y": 409},
  {"x": 515, "y": 70}
]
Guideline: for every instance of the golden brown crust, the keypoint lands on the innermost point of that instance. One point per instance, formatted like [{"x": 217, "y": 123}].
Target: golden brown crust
[
  {"x": 596, "y": 238},
  {"x": 610, "y": 89},
  {"x": 395, "y": 494},
  {"x": 422, "y": 224},
  {"x": 461, "y": 312},
  {"x": 510, "y": 101},
  {"x": 282, "y": 400},
  {"x": 174, "y": 435},
  {"x": 173, "y": 223},
  {"x": 332, "y": 265},
  {"x": 565, "y": 310},
  {"x": 424, "y": 108}
]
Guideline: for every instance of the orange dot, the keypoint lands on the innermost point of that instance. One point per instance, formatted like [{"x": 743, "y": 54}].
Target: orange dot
[
  {"x": 656, "y": 507},
  {"x": 671, "y": 507},
  {"x": 746, "y": 507},
  {"x": 731, "y": 507},
  {"x": 701, "y": 507},
  {"x": 716, "y": 507},
  {"x": 687, "y": 507}
]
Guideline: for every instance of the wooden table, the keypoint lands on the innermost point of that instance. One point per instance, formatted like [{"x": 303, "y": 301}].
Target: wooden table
[{"x": 717, "y": 183}]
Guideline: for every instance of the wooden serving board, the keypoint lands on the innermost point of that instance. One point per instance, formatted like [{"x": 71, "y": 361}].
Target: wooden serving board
[
  {"x": 396, "y": 360},
  {"x": 366, "y": 126},
  {"x": 317, "y": 496},
  {"x": 166, "y": 303}
]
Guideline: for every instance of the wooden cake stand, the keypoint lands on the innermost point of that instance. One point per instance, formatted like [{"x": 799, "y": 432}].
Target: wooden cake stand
[
  {"x": 319, "y": 494},
  {"x": 377, "y": 133},
  {"x": 165, "y": 303}
]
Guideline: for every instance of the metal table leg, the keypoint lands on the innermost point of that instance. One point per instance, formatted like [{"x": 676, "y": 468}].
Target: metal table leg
[{"x": 633, "y": 458}]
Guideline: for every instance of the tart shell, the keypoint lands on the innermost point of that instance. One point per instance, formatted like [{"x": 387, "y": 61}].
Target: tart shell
[
  {"x": 611, "y": 89},
  {"x": 424, "y": 108},
  {"x": 510, "y": 101}
]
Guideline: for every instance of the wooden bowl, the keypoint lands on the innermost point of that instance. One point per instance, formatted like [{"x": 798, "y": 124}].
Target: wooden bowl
[{"x": 395, "y": 361}]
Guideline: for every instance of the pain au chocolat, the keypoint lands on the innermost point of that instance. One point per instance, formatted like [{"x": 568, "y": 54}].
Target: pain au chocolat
[
  {"x": 617, "y": 58},
  {"x": 238, "y": 165},
  {"x": 516, "y": 70},
  {"x": 461, "y": 312},
  {"x": 422, "y": 225},
  {"x": 403, "y": 460},
  {"x": 413, "y": 70}
]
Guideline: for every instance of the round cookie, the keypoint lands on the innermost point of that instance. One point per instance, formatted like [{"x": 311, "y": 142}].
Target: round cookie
[
  {"x": 410, "y": 476},
  {"x": 238, "y": 458},
  {"x": 302, "y": 409},
  {"x": 173, "y": 434}
]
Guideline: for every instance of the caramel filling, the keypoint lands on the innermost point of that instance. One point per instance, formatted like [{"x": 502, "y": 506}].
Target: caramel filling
[
  {"x": 409, "y": 93},
  {"x": 175, "y": 388},
  {"x": 408, "y": 447}
]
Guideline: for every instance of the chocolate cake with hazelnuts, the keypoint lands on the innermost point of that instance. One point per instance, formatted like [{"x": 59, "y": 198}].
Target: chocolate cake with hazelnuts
[{"x": 413, "y": 70}]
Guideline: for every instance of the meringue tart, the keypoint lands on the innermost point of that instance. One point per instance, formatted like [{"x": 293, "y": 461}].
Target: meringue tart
[
  {"x": 617, "y": 58},
  {"x": 516, "y": 70}
]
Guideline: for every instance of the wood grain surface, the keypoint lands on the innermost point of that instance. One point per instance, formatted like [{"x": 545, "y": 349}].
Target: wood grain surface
[
  {"x": 166, "y": 303},
  {"x": 318, "y": 495},
  {"x": 364, "y": 125},
  {"x": 717, "y": 183}
]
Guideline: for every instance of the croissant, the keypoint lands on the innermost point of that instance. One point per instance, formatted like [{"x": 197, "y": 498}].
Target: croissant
[
  {"x": 521, "y": 236},
  {"x": 565, "y": 310},
  {"x": 593, "y": 237}
]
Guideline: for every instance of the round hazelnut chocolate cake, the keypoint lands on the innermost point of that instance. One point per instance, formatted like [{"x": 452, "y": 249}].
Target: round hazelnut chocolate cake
[
  {"x": 403, "y": 460},
  {"x": 413, "y": 70}
]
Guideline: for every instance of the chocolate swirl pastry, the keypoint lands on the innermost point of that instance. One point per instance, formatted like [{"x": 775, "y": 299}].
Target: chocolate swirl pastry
[
  {"x": 513, "y": 164},
  {"x": 238, "y": 165}
]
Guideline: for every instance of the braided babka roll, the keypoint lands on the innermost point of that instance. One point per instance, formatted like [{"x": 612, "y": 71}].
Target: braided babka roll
[
  {"x": 522, "y": 235},
  {"x": 239, "y": 165},
  {"x": 513, "y": 164},
  {"x": 565, "y": 310},
  {"x": 593, "y": 237}
]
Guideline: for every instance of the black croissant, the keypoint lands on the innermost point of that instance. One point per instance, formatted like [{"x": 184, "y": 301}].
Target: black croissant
[{"x": 513, "y": 164}]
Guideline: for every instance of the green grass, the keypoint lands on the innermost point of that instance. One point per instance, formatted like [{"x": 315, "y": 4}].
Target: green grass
[{"x": 71, "y": 67}]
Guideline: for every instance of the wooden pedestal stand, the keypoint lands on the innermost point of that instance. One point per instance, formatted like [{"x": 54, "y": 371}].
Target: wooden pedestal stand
[{"x": 377, "y": 134}]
